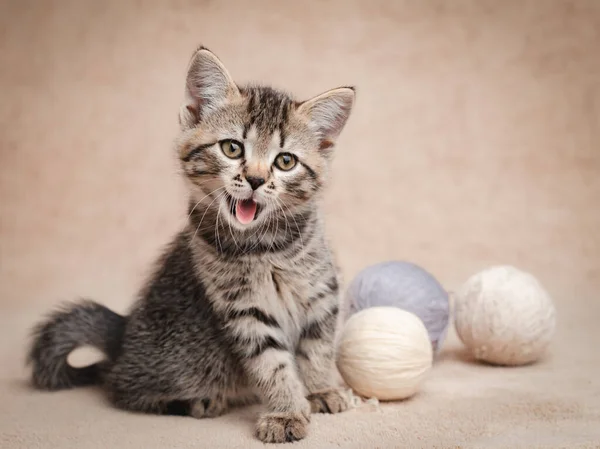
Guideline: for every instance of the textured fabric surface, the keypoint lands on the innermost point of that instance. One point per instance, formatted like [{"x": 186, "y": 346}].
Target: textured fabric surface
[{"x": 475, "y": 141}]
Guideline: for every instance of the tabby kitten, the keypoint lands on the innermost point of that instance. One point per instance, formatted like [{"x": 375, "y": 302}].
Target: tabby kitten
[{"x": 243, "y": 304}]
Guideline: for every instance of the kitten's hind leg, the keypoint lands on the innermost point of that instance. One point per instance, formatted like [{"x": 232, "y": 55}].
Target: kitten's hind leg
[
  {"x": 208, "y": 407},
  {"x": 143, "y": 403},
  {"x": 218, "y": 404},
  {"x": 196, "y": 408}
]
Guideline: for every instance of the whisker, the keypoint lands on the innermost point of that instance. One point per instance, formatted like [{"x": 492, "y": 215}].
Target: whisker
[
  {"x": 229, "y": 223},
  {"x": 196, "y": 205},
  {"x": 217, "y": 237},
  {"x": 278, "y": 203},
  {"x": 193, "y": 209},
  {"x": 256, "y": 233},
  {"x": 271, "y": 217},
  {"x": 276, "y": 231},
  {"x": 268, "y": 228},
  {"x": 298, "y": 228},
  {"x": 206, "y": 210}
]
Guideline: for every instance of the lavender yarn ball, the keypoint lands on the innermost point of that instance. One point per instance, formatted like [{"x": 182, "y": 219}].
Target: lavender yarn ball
[{"x": 406, "y": 286}]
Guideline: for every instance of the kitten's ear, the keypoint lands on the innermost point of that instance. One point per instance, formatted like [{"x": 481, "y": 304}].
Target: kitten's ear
[
  {"x": 208, "y": 86},
  {"x": 328, "y": 113}
]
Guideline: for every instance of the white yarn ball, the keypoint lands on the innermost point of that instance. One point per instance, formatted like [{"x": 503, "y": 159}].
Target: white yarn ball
[
  {"x": 384, "y": 352},
  {"x": 504, "y": 316}
]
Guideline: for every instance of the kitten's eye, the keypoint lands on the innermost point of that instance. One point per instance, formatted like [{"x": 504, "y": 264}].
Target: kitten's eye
[
  {"x": 232, "y": 148},
  {"x": 285, "y": 161}
]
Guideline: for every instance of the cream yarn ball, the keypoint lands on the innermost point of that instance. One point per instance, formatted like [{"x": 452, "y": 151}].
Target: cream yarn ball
[
  {"x": 384, "y": 352},
  {"x": 504, "y": 316}
]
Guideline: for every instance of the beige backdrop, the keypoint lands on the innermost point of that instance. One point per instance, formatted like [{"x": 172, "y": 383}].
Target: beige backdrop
[{"x": 475, "y": 141}]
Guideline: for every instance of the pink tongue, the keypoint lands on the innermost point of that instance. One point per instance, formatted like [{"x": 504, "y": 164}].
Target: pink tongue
[{"x": 245, "y": 211}]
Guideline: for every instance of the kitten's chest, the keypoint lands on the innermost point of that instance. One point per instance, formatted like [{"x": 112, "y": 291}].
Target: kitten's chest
[{"x": 284, "y": 294}]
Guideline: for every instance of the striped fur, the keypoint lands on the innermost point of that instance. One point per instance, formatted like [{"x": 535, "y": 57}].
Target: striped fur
[{"x": 232, "y": 313}]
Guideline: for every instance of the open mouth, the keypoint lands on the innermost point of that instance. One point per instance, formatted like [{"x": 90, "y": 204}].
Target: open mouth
[{"x": 245, "y": 211}]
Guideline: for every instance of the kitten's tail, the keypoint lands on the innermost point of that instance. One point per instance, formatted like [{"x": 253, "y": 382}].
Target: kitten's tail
[{"x": 77, "y": 324}]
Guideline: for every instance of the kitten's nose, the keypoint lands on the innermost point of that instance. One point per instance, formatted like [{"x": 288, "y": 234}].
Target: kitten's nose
[{"x": 255, "y": 182}]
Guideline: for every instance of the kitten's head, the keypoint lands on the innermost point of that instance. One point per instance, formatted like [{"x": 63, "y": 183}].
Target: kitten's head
[{"x": 251, "y": 152}]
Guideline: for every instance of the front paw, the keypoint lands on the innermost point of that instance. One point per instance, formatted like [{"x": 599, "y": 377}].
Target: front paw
[
  {"x": 282, "y": 427},
  {"x": 329, "y": 401}
]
